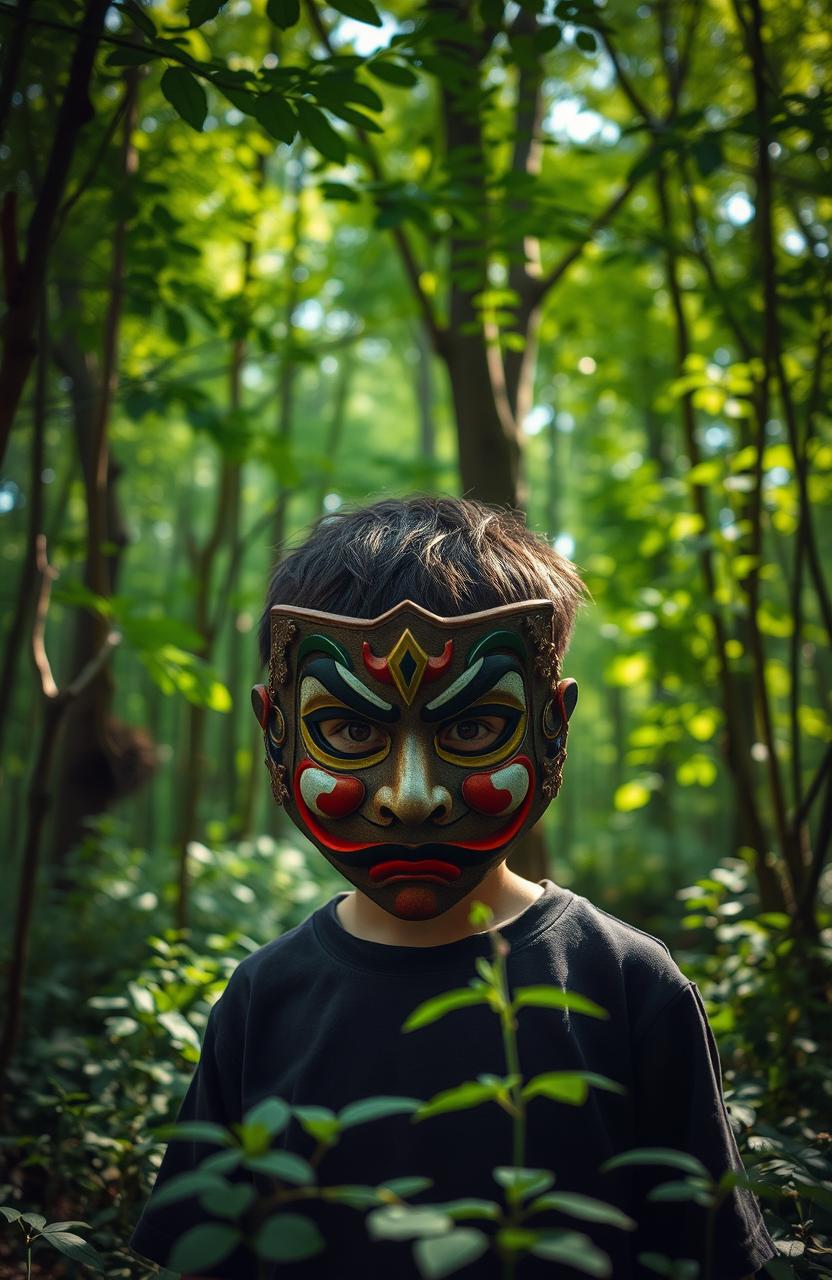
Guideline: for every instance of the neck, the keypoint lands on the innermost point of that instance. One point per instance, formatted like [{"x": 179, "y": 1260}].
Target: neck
[{"x": 506, "y": 893}]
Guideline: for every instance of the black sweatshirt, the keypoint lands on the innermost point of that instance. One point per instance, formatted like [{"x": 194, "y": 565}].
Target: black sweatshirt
[{"x": 315, "y": 1016}]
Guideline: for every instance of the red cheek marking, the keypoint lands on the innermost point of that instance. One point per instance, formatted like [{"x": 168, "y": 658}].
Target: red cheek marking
[
  {"x": 480, "y": 793},
  {"x": 417, "y": 902},
  {"x": 347, "y": 796}
]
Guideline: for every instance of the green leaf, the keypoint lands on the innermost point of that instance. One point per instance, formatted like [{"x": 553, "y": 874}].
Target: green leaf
[
  {"x": 283, "y": 13},
  {"x": 62, "y": 1226},
  {"x": 222, "y": 1161},
  {"x": 553, "y": 998},
  {"x": 460, "y": 1098},
  {"x": 376, "y": 1109},
  {"x": 580, "y": 1206},
  {"x": 276, "y": 115},
  {"x": 203, "y": 1246},
  {"x": 574, "y": 1248},
  {"x": 35, "y": 1220},
  {"x": 200, "y": 11},
  {"x": 406, "y": 1222},
  {"x": 492, "y": 12},
  {"x": 442, "y": 1255},
  {"x": 315, "y": 127},
  {"x": 75, "y": 1247},
  {"x": 179, "y": 1029},
  {"x": 272, "y": 1113},
  {"x": 243, "y": 99},
  {"x": 361, "y": 10},
  {"x": 186, "y": 95},
  {"x": 657, "y": 1262},
  {"x": 547, "y": 38},
  {"x": 176, "y": 670},
  {"x": 357, "y": 1197},
  {"x": 438, "y": 1006},
  {"x": 646, "y": 163},
  {"x": 230, "y": 1202},
  {"x": 288, "y": 1237},
  {"x": 352, "y": 116},
  {"x": 774, "y": 919},
  {"x": 194, "y": 1131},
  {"x": 184, "y": 1185},
  {"x": 657, "y": 1155},
  {"x": 821, "y": 1195},
  {"x": 339, "y": 191},
  {"x": 707, "y": 153},
  {"x": 340, "y": 86},
  {"x": 470, "y": 1208},
  {"x": 409, "y": 1186},
  {"x": 139, "y": 17},
  {"x": 72, "y": 591},
  {"x": 568, "y": 1086},
  {"x": 319, "y": 1122},
  {"x": 285, "y": 1165},
  {"x": 680, "y": 1191},
  {"x": 522, "y": 1183},
  {"x": 129, "y": 57},
  {"x": 708, "y": 472},
  {"x": 11, "y": 1215},
  {"x": 392, "y": 73}
]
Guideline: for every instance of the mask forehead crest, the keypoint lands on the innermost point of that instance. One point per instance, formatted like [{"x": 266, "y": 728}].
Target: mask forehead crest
[{"x": 407, "y": 664}]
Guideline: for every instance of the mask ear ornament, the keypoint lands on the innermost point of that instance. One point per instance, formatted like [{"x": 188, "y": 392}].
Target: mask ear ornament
[
  {"x": 556, "y": 713},
  {"x": 272, "y": 722}
]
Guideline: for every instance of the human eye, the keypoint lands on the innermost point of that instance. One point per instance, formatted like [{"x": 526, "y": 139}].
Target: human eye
[
  {"x": 351, "y": 735},
  {"x": 471, "y": 733}
]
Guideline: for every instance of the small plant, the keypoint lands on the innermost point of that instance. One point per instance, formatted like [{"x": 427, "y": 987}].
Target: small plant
[
  {"x": 56, "y": 1234},
  {"x": 275, "y": 1232}
]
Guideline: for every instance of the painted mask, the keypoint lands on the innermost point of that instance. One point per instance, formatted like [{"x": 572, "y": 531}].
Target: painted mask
[{"x": 411, "y": 749}]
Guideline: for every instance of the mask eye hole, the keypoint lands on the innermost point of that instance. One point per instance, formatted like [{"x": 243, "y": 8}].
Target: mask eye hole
[
  {"x": 471, "y": 733},
  {"x": 352, "y": 734},
  {"x": 340, "y": 738},
  {"x": 484, "y": 734}
]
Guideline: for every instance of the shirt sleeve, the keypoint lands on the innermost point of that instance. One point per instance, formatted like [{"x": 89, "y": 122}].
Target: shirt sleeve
[
  {"x": 213, "y": 1097},
  {"x": 679, "y": 1105}
]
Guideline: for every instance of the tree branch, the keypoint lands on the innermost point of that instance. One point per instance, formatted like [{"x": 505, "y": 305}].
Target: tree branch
[
  {"x": 543, "y": 286},
  {"x": 411, "y": 267}
]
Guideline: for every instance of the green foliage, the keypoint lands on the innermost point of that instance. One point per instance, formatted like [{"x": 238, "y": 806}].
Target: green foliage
[
  {"x": 54, "y": 1234},
  {"x": 186, "y": 95},
  {"x": 254, "y": 143},
  {"x": 288, "y": 1237}
]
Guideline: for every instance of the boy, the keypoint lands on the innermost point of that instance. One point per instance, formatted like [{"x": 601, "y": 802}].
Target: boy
[{"x": 415, "y": 724}]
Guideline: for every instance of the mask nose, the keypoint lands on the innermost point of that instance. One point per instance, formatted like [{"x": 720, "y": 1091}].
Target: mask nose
[{"x": 410, "y": 798}]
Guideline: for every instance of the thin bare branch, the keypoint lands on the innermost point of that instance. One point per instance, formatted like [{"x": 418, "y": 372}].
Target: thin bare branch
[
  {"x": 48, "y": 574},
  {"x": 542, "y": 287},
  {"x": 96, "y": 663}
]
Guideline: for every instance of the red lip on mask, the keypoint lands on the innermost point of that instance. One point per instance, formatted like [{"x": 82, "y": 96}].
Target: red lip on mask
[{"x": 426, "y": 868}]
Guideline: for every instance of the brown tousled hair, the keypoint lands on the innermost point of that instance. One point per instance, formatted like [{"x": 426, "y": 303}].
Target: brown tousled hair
[{"x": 449, "y": 555}]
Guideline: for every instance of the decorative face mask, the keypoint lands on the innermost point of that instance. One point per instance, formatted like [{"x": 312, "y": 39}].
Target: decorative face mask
[{"x": 413, "y": 750}]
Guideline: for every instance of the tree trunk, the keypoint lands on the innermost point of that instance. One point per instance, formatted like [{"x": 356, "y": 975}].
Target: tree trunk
[
  {"x": 203, "y": 562},
  {"x": 424, "y": 394},
  {"x": 24, "y": 281},
  {"x": 26, "y": 596},
  {"x": 101, "y": 757}
]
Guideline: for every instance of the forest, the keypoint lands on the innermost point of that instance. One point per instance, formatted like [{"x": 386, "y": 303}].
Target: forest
[{"x": 267, "y": 260}]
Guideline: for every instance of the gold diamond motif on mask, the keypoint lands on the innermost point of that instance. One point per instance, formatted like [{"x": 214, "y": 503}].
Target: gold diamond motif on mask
[{"x": 407, "y": 661}]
